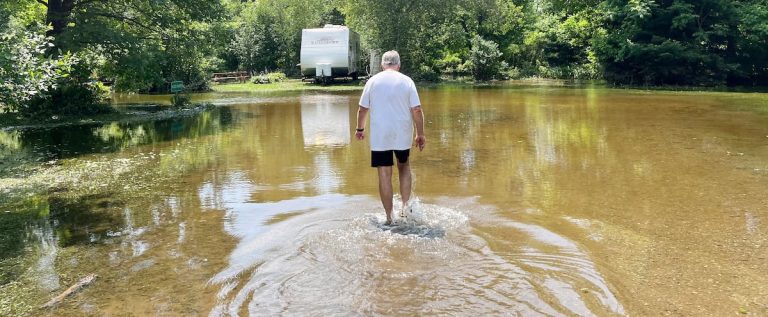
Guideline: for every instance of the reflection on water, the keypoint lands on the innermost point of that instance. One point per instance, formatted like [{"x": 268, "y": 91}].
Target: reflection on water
[
  {"x": 583, "y": 202},
  {"x": 70, "y": 141},
  {"x": 324, "y": 120}
]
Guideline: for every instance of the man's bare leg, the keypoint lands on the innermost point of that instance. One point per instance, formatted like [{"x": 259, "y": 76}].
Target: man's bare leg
[
  {"x": 404, "y": 173},
  {"x": 385, "y": 190}
]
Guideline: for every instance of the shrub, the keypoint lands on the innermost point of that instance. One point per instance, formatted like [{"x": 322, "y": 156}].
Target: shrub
[
  {"x": 276, "y": 77},
  {"x": 38, "y": 83},
  {"x": 74, "y": 93},
  {"x": 426, "y": 73},
  {"x": 451, "y": 65},
  {"x": 69, "y": 98},
  {"x": 25, "y": 72},
  {"x": 269, "y": 78},
  {"x": 486, "y": 59},
  {"x": 181, "y": 100}
]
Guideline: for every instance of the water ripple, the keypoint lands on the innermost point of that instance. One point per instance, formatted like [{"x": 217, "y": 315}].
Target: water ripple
[{"x": 337, "y": 258}]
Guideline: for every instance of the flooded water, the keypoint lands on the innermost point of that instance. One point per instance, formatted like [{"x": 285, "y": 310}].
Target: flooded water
[{"x": 531, "y": 201}]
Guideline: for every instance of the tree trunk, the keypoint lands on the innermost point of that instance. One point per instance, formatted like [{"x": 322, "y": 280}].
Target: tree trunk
[{"x": 58, "y": 15}]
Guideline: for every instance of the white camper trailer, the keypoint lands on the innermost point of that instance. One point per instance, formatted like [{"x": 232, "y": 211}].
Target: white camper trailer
[{"x": 328, "y": 52}]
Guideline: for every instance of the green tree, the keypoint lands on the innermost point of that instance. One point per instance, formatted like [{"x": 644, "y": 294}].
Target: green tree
[
  {"x": 257, "y": 43},
  {"x": 267, "y": 34},
  {"x": 177, "y": 36},
  {"x": 25, "y": 72},
  {"x": 485, "y": 58},
  {"x": 672, "y": 42},
  {"x": 750, "y": 51},
  {"x": 414, "y": 28}
]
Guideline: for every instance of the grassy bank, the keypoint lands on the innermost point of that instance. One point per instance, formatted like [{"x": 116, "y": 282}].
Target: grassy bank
[{"x": 161, "y": 110}]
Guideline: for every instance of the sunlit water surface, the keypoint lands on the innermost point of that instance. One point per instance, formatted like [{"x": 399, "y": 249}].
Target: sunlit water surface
[{"x": 531, "y": 201}]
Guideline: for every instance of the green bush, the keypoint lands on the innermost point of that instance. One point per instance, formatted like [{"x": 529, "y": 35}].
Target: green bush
[
  {"x": 426, "y": 73},
  {"x": 276, "y": 77},
  {"x": 181, "y": 100},
  {"x": 269, "y": 78},
  {"x": 38, "y": 83},
  {"x": 69, "y": 98},
  {"x": 486, "y": 59},
  {"x": 25, "y": 72},
  {"x": 451, "y": 65}
]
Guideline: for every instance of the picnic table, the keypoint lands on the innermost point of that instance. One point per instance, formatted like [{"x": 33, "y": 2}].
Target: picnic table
[{"x": 241, "y": 77}]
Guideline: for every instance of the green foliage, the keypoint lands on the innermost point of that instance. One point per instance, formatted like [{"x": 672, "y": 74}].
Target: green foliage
[
  {"x": 74, "y": 93},
  {"x": 485, "y": 57},
  {"x": 426, "y": 73},
  {"x": 142, "y": 46},
  {"x": 417, "y": 29},
  {"x": 257, "y": 43},
  {"x": 269, "y": 78},
  {"x": 751, "y": 49},
  {"x": 266, "y": 35},
  {"x": 25, "y": 72},
  {"x": 70, "y": 98},
  {"x": 678, "y": 42},
  {"x": 181, "y": 100},
  {"x": 452, "y": 65},
  {"x": 137, "y": 71},
  {"x": 36, "y": 85}
]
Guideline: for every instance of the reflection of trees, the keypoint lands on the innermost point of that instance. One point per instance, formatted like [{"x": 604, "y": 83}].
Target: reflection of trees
[
  {"x": 65, "y": 220},
  {"x": 480, "y": 141},
  {"x": 13, "y": 232},
  {"x": 11, "y": 149},
  {"x": 81, "y": 218},
  {"x": 77, "y": 205},
  {"x": 70, "y": 141},
  {"x": 509, "y": 143}
]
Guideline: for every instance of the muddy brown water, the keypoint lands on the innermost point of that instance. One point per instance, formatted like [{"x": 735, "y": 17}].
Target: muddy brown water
[{"x": 551, "y": 201}]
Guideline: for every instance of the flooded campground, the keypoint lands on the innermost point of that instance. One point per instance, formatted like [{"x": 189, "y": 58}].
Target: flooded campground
[{"x": 532, "y": 200}]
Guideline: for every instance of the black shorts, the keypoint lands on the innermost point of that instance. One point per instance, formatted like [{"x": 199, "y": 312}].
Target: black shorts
[{"x": 384, "y": 158}]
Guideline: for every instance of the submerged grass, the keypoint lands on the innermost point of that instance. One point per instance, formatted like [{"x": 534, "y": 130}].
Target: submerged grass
[
  {"x": 29, "y": 192},
  {"x": 12, "y": 121}
]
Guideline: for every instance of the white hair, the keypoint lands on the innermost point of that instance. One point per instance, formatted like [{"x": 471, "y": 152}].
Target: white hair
[{"x": 391, "y": 58}]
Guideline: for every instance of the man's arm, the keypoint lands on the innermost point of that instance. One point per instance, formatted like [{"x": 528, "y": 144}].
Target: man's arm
[
  {"x": 362, "y": 112},
  {"x": 418, "y": 121}
]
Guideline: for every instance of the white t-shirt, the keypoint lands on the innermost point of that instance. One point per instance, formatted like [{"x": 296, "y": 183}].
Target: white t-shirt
[{"x": 390, "y": 96}]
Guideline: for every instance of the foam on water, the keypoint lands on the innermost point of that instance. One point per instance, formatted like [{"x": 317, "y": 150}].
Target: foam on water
[{"x": 426, "y": 221}]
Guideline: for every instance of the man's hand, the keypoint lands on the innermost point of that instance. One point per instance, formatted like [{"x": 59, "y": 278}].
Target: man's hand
[
  {"x": 421, "y": 141},
  {"x": 360, "y": 135}
]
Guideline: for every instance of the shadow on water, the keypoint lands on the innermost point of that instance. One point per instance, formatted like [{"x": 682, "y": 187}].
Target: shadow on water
[
  {"x": 410, "y": 230},
  {"x": 66, "y": 222},
  {"x": 81, "y": 220},
  {"x": 44, "y": 144}
]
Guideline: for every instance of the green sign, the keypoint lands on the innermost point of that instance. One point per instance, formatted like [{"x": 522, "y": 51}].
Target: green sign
[{"x": 177, "y": 86}]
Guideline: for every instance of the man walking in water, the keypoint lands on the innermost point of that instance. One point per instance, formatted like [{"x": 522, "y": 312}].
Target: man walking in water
[{"x": 395, "y": 108}]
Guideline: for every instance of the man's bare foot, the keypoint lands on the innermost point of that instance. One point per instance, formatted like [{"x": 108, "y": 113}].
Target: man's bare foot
[
  {"x": 388, "y": 222},
  {"x": 406, "y": 211}
]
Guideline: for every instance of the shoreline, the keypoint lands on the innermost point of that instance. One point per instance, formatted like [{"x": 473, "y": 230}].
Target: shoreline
[
  {"x": 10, "y": 123},
  {"x": 132, "y": 112}
]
